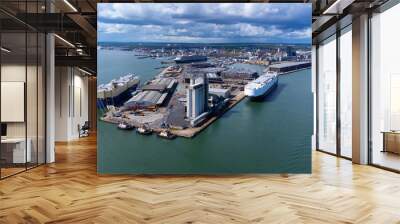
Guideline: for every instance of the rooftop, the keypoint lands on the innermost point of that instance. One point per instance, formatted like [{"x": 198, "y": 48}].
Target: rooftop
[{"x": 288, "y": 64}]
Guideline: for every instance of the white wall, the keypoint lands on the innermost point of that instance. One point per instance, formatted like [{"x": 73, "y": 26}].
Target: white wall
[
  {"x": 71, "y": 102},
  {"x": 327, "y": 95},
  {"x": 346, "y": 94},
  {"x": 80, "y": 112},
  {"x": 50, "y": 94},
  {"x": 61, "y": 103},
  {"x": 33, "y": 126},
  {"x": 385, "y": 91},
  {"x": 314, "y": 91},
  {"x": 14, "y": 72},
  {"x": 360, "y": 89},
  {"x": 17, "y": 73}
]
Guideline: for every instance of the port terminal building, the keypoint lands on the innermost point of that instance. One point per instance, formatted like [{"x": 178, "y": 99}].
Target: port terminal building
[
  {"x": 197, "y": 99},
  {"x": 239, "y": 74},
  {"x": 225, "y": 93},
  {"x": 152, "y": 95},
  {"x": 289, "y": 66},
  {"x": 213, "y": 77}
]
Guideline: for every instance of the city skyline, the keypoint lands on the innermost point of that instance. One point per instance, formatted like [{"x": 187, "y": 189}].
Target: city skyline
[{"x": 205, "y": 23}]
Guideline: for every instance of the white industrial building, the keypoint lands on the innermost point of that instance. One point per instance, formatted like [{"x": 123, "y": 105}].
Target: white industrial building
[
  {"x": 197, "y": 99},
  {"x": 225, "y": 93}
]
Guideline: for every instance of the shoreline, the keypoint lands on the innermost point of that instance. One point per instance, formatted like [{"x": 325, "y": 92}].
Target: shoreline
[
  {"x": 188, "y": 132},
  {"x": 192, "y": 132},
  {"x": 297, "y": 70}
]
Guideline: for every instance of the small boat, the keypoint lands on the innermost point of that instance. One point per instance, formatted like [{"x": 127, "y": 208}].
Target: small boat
[
  {"x": 166, "y": 134},
  {"x": 143, "y": 130},
  {"x": 125, "y": 126},
  {"x": 117, "y": 114}
]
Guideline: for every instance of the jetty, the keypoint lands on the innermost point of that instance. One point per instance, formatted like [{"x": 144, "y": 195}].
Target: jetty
[
  {"x": 191, "y": 132},
  {"x": 183, "y": 99}
]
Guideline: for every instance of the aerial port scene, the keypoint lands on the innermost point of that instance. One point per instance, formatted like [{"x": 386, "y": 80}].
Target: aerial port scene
[
  {"x": 193, "y": 85},
  {"x": 198, "y": 88}
]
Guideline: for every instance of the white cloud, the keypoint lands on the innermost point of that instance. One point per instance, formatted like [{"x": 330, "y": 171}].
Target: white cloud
[
  {"x": 112, "y": 28},
  {"x": 300, "y": 34},
  {"x": 205, "y": 22},
  {"x": 249, "y": 30}
]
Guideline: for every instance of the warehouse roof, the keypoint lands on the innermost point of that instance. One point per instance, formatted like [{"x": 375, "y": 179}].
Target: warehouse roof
[
  {"x": 217, "y": 90},
  {"x": 160, "y": 85},
  {"x": 162, "y": 99},
  {"x": 144, "y": 98},
  {"x": 288, "y": 64}
]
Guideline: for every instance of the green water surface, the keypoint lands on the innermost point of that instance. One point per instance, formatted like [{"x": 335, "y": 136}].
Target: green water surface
[{"x": 272, "y": 136}]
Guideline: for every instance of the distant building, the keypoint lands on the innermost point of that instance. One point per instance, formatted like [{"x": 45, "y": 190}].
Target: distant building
[
  {"x": 213, "y": 75},
  {"x": 289, "y": 66},
  {"x": 154, "y": 94},
  {"x": 239, "y": 74},
  {"x": 197, "y": 99},
  {"x": 190, "y": 59},
  {"x": 160, "y": 84},
  {"x": 144, "y": 99},
  {"x": 290, "y": 51},
  {"x": 214, "y": 78},
  {"x": 202, "y": 65},
  {"x": 225, "y": 93}
]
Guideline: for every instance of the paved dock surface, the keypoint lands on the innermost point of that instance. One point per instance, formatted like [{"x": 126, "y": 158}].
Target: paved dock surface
[
  {"x": 191, "y": 132},
  {"x": 188, "y": 132}
]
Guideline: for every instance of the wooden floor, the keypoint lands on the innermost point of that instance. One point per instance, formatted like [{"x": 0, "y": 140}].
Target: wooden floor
[
  {"x": 70, "y": 191},
  {"x": 5, "y": 172},
  {"x": 387, "y": 159}
]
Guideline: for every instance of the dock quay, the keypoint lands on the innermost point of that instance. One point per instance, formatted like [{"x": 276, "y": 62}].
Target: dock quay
[
  {"x": 187, "y": 132},
  {"x": 191, "y": 132},
  {"x": 289, "y": 66},
  {"x": 182, "y": 99},
  {"x": 185, "y": 98}
]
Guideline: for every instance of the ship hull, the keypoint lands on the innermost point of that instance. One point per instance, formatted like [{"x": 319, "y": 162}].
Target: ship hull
[
  {"x": 116, "y": 100},
  {"x": 190, "y": 59},
  {"x": 256, "y": 94},
  {"x": 266, "y": 93}
]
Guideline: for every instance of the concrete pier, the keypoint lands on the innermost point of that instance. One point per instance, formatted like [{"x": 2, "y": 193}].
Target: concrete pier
[
  {"x": 156, "y": 119},
  {"x": 188, "y": 132},
  {"x": 191, "y": 132}
]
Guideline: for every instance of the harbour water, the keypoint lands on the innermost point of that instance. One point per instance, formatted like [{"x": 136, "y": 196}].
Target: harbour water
[
  {"x": 272, "y": 136},
  {"x": 115, "y": 63}
]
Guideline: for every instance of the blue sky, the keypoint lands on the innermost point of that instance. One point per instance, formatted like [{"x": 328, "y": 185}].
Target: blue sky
[{"x": 205, "y": 23}]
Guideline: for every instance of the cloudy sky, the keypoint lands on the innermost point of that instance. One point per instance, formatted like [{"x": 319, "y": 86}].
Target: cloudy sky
[{"x": 204, "y": 23}]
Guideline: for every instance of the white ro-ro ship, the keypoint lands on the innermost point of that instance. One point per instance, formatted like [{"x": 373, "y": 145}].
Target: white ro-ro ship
[
  {"x": 261, "y": 86},
  {"x": 117, "y": 90}
]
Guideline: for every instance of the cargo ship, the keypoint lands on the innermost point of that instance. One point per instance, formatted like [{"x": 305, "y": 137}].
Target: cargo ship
[
  {"x": 117, "y": 91},
  {"x": 261, "y": 86},
  {"x": 190, "y": 58}
]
